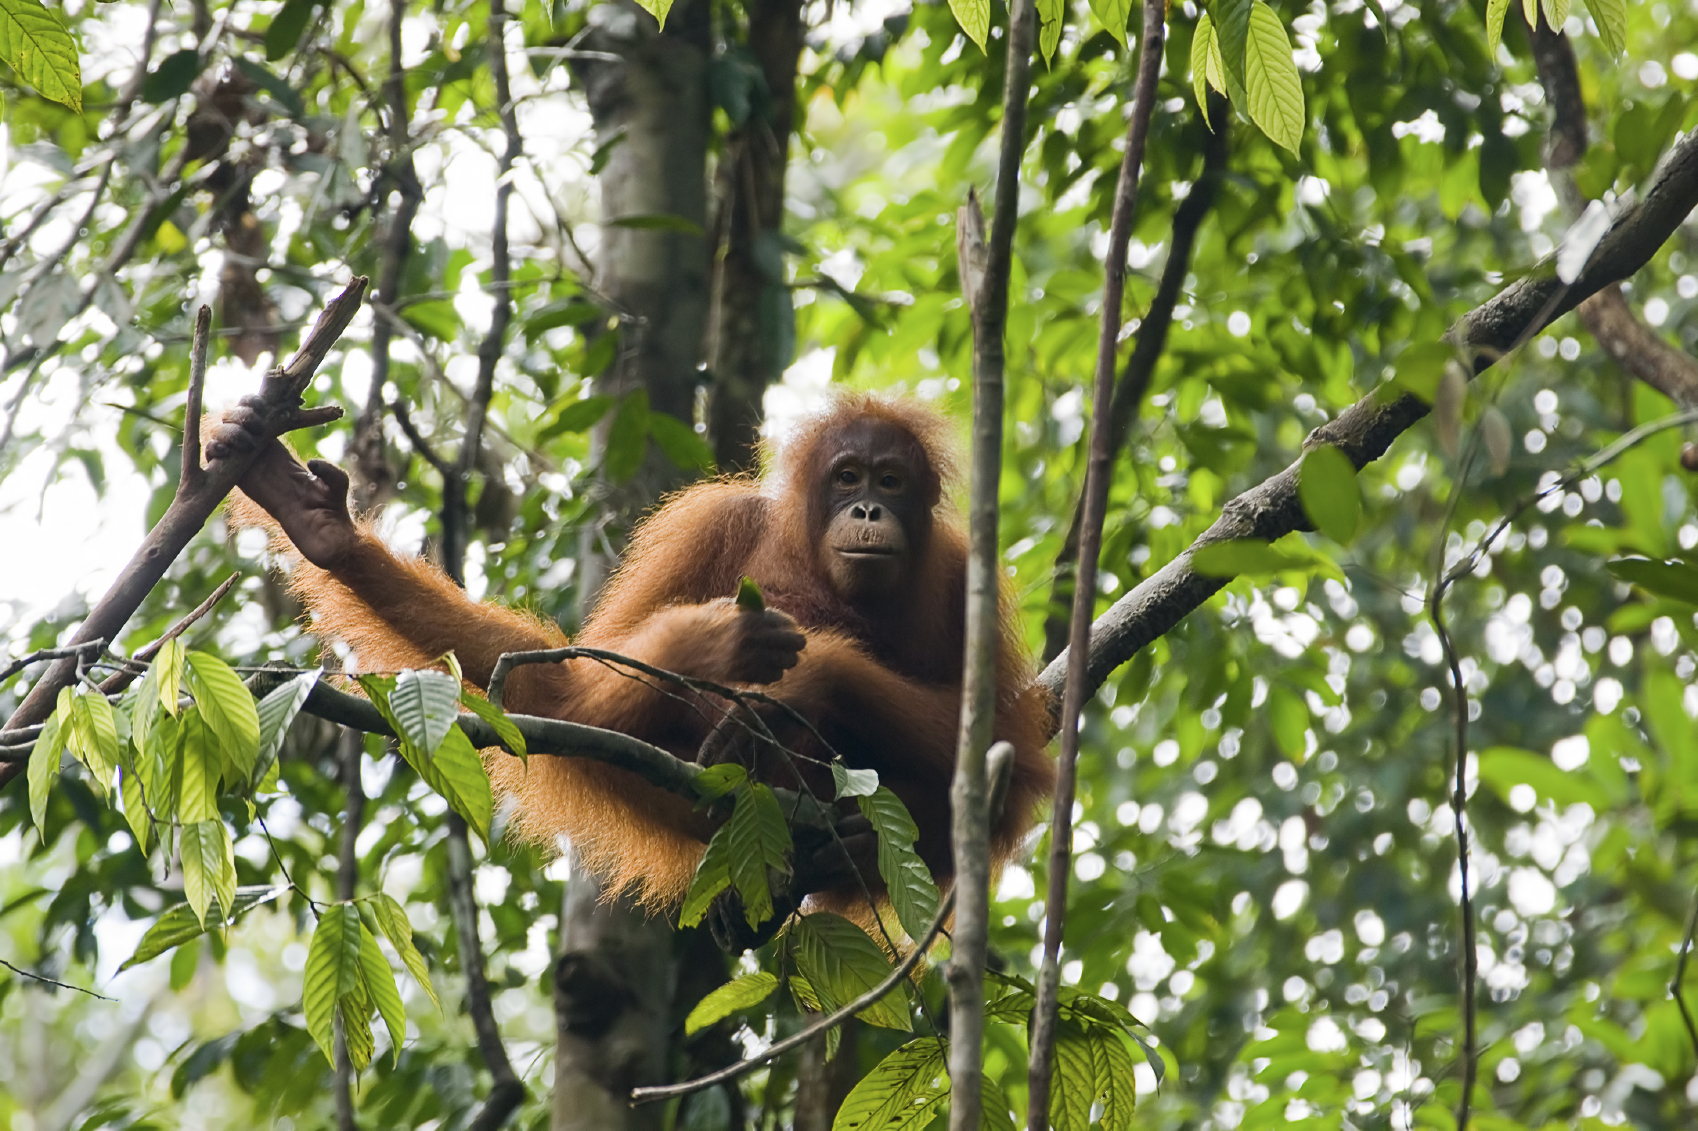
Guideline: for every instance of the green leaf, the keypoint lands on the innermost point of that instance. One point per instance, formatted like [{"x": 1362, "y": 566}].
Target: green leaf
[
  {"x": 759, "y": 839},
  {"x": 1116, "y": 1078},
  {"x": 287, "y": 26},
  {"x": 1289, "y": 717},
  {"x": 657, "y": 9},
  {"x": 93, "y": 736},
  {"x": 974, "y": 18},
  {"x": 681, "y": 443},
  {"x": 901, "y": 1092},
  {"x": 913, "y": 893},
  {"x": 1666, "y": 579},
  {"x": 1073, "y": 1083},
  {"x": 1530, "y": 9},
  {"x": 1496, "y": 10},
  {"x": 209, "y": 866},
  {"x": 505, "y": 728},
  {"x": 392, "y": 920},
  {"x": 565, "y": 312},
  {"x": 379, "y": 983},
  {"x": 275, "y": 712},
  {"x": 713, "y": 875},
  {"x": 842, "y": 963},
  {"x": 1232, "y": 35},
  {"x": 226, "y": 708},
  {"x": 172, "y": 77},
  {"x": 1115, "y": 15},
  {"x": 627, "y": 437},
  {"x": 1051, "y": 15},
  {"x": 457, "y": 773},
  {"x": 44, "y": 759},
  {"x": 1503, "y": 767},
  {"x": 202, "y": 771},
  {"x": 1271, "y": 82},
  {"x": 1205, "y": 65},
  {"x": 1611, "y": 18},
  {"x": 739, "y": 993},
  {"x": 135, "y": 807},
  {"x": 180, "y": 924},
  {"x": 167, "y": 667},
  {"x": 717, "y": 781},
  {"x": 1241, "y": 556},
  {"x": 267, "y": 80},
  {"x": 36, "y": 45},
  {"x": 1326, "y": 485},
  {"x": 426, "y": 705},
  {"x": 852, "y": 783},
  {"x": 332, "y": 973},
  {"x": 658, "y": 222}
]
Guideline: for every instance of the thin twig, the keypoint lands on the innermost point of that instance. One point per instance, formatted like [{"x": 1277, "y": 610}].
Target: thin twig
[
  {"x": 54, "y": 982},
  {"x": 1097, "y": 474}
]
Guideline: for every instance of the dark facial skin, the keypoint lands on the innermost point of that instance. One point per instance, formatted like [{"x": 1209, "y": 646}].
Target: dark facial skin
[{"x": 877, "y": 496}]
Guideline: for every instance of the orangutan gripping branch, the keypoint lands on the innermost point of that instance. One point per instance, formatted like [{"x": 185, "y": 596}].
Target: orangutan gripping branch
[{"x": 863, "y": 570}]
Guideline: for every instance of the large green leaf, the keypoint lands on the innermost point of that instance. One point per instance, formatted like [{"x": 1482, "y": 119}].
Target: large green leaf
[
  {"x": 1611, "y": 18},
  {"x": 682, "y": 445},
  {"x": 332, "y": 972},
  {"x": 902, "y": 1091},
  {"x": 44, "y": 759},
  {"x": 1504, "y": 767},
  {"x": 275, "y": 712},
  {"x": 738, "y": 994},
  {"x": 505, "y": 728},
  {"x": 36, "y": 45},
  {"x": 1115, "y": 15},
  {"x": 627, "y": 437},
  {"x": 226, "y": 708},
  {"x": 93, "y": 736},
  {"x": 1676, "y": 580},
  {"x": 202, "y": 771},
  {"x": 913, "y": 893},
  {"x": 425, "y": 705},
  {"x": 1272, "y": 86},
  {"x": 209, "y": 866},
  {"x": 1051, "y": 14},
  {"x": 378, "y": 981},
  {"x": 842, "y": 963},
  {"x": 713, "y": 875},
  {"x": 974, "y": 18},
  {"x": 759, "y": 840}
]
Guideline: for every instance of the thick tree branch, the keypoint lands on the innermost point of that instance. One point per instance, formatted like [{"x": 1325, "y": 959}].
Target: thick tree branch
[
  {"x": 1365, "y": 430},
  {"x": 279, "y": 410}
]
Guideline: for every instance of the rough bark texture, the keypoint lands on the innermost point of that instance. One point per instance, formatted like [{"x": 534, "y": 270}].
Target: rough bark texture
[
  {"x": 616, "y": 973},
  {"x": 753, "y": 324}
]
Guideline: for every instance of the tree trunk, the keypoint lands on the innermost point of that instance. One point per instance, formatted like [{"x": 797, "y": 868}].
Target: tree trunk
[
  {"x": 754, "y": 331},
  {"x": 616, "y": 972}
]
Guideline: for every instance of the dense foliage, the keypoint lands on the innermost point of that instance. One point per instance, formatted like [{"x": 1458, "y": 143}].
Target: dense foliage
[{"x": 1265, "y": 857}]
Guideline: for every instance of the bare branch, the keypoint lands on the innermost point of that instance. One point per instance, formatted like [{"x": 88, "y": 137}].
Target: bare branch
[{"x": 119, "y": 680}]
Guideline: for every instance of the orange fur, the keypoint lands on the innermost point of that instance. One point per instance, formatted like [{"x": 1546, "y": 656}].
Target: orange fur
[{"x": 884, "y": 687}]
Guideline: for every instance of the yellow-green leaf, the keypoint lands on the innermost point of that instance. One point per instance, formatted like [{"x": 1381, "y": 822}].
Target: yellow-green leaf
[
  {"x": 1114, "y": 14},
  {"x": 1556, "y": 12},
  {"x": 1271, "y": 82},
  {"x": 379, "y": 982},
  {"x": 202, "y": 771},
  {"x": 1326, "y": 486},
  {"x": 179, "y": 924},
  {"x": 759, "y": 840},
  {"x": 1204, "y": 47},
  {"x": 657, "y": 8},
  {"x": 332, "y": 972},
  {"x": 739, "y": 993},
  {"x": 974, "y": 18},
  {"x": 842, "y": 963},
  {"x": 1496, "y": 10},
  {"x": 226, "y": 709},
  {"x": 167, "y": 669},
  {"x": 44, "y": 759},
  {"x": 35, "y": 44},
  {"x": 392, "y": 921},
  {"x": 209, "y": 866},
  {"x": 913, "y": 893},
  {"x": 1611, "y": 18},
  {"x": 1051, "y": 15},
  {"x": 903, "y": 1090}
]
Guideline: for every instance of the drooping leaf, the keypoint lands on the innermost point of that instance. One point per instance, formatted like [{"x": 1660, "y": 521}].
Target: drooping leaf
[
  {"x": 392, "y": 920},
  {"x": 1073, "y": 1085},
  {"x": 425, "y": 704},
  {"x": 1611, "y": 18},
  {"x": 379, "y": 983},
  {"x": 1232, "y": 35},
  {"x": 1051, "y": 14},
  {"x": 1326, "y": 486},
  {"x": 842, "y": 963},
  {"x": 1205, "y": 53},
  {"x": 180, "y": 924},
  {"x": 209, "y": 866},
  {"x": 458, "y": 774},
  {"x": 1496, "y": 10},
  {"x": 1271, "y": 83},
  {"x": 44, "y": 759},
  {"x": 738, "y": 994},
  {"x": 505, "y": 728},
  {"x": 657, "y": 9},
  {"x": 275, "y": 712},
  {"x": 902, "y": 1091},
  {"x": 913, "y": 893},
  {"x": 226, "y": 709},
  {"x": 332, "y": 972},
  {"x": 1115, "y": 15},
  {"x": 36, "y": 45},
  {"x": 202, "y": 772},
  {"x": 974, "y": 18},
  {"x": 167, "y": 668},
  {"x": 713, "y": 875},
  {"x": 759, "y": 840}
]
